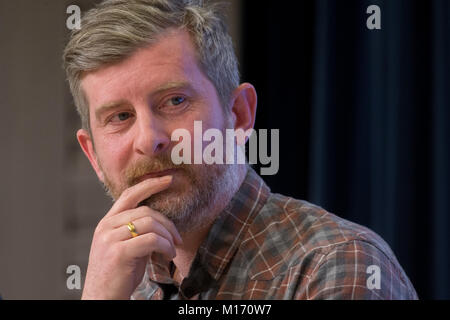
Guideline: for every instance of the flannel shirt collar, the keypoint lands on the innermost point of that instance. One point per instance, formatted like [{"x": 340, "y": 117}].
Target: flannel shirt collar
[{"x": 222, "y": 241}]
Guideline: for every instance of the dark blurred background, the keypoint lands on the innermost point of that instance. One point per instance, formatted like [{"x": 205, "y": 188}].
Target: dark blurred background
[{"x": 363, "y": 118}]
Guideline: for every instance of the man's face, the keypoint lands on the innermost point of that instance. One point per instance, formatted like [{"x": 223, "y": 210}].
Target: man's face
[{"x": 135, "y": 106}]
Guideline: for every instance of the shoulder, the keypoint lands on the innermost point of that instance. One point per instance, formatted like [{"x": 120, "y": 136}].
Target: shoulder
[
  {"x": 332, "y": 257},
  {"x": 308, "y": 226}
]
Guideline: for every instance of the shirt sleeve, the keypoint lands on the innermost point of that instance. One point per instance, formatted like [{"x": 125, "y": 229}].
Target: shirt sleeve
[{"x": 358, "y": 270}]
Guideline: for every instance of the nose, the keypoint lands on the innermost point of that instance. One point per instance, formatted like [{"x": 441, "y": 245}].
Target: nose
[{"x": 150, "y": 137}]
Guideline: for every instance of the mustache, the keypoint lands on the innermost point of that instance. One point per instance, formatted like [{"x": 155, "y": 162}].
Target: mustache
[{"x": 145, "y": 166}]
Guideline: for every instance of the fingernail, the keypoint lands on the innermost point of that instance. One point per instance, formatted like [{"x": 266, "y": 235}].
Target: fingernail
[{"x": 165, "y": 178}]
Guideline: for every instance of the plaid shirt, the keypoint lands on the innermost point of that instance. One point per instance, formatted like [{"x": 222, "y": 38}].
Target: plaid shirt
[{"x": 268, "y": 246}]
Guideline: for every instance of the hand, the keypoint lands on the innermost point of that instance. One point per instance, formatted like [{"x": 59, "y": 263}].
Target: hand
[{"x": 117, "y": 260}]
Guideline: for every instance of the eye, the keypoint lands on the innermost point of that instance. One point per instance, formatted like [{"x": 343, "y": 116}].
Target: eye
[
  {"x": 120, "y": 117},
  {"x": 176, "y": 101}
]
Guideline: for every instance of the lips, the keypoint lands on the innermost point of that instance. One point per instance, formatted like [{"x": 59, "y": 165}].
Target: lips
[{"x": 157, "y": 174}]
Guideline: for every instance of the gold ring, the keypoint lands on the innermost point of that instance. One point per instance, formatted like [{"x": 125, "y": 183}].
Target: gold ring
[{"x": 132, "y": 229}]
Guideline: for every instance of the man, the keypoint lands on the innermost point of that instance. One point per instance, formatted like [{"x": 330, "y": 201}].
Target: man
[{"x": 140, "y": 70}]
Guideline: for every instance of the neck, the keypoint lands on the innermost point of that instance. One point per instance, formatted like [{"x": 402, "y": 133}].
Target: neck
[{"x": 192, "y": 239}]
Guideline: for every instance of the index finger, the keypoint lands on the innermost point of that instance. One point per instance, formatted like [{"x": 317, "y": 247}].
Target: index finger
[{"x": 131, "y": 197}]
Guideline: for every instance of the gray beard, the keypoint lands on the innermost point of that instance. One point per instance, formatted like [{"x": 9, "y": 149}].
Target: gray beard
[{"x": 193, "y": 210}]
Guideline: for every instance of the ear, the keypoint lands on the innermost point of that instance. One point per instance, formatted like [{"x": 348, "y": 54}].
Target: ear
[
  {"x": 244, "y": 107},
  {"x": 87, "y": 145}
]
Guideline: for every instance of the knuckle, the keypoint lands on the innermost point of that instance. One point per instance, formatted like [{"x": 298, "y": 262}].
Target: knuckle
[
  {"x": 126, "y": 194},
  {"x": 105, "y": 238},
  {"x": 145, "y": 210},
  {"x": 153, "y": 240},
  {"x": 149, "y": 222}
]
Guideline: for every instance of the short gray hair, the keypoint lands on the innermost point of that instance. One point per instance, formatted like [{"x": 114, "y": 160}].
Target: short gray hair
[{"x": 115, "y": 29}]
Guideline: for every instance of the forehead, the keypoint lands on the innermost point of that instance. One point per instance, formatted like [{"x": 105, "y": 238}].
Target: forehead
[{"x": 171, "y": 59}]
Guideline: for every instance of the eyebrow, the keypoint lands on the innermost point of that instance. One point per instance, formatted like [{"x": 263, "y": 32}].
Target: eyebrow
[
  {"x": 172, "y": 85},
  {"x": 119, "y": 103},
  {"x": 109, "y": 106}
]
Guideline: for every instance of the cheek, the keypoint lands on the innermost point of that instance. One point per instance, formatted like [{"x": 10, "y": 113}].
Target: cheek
[
  {"x": 113, "y": 156},
  {"x": 212, "y": 116},
  {"x": 218, "y": 119}
]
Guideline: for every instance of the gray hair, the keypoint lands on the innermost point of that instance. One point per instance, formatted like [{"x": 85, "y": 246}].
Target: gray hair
[{"x": 115, "y": 29}]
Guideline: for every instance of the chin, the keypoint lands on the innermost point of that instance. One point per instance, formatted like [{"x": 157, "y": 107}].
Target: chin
[{"x": 168, "y": 202}]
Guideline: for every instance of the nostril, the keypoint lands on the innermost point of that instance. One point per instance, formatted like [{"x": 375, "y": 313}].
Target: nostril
[{"x": 159, "y": 147}]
